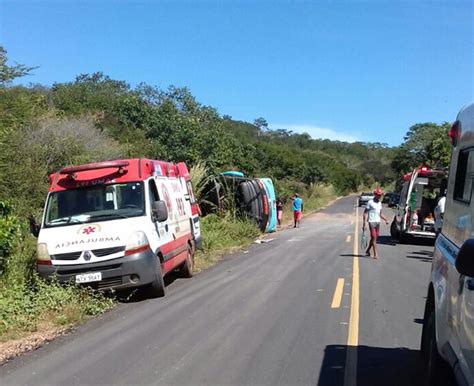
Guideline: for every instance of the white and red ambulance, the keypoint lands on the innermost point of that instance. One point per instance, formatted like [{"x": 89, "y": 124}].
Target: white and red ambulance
[{"x": 119, "y": 224}]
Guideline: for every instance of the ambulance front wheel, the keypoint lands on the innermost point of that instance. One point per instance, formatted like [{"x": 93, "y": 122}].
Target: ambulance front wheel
[
  {"x": 188, "y": 266},
  {"x": 156, "y": 288}
]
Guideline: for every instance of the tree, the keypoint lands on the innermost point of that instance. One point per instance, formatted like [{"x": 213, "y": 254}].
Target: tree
[
  {"x": 424, "y": 142},
  {"x": 8, "y": 73},
  {"x": 261, "y": 124}
]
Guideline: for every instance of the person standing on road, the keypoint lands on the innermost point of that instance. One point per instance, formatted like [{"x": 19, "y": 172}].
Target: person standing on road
[
  {"x": 279, "y": 206},
  {"x": 297, "y": 209},
  {"x": 372, "y": 215},
  {"x": 439, "y": 212}
]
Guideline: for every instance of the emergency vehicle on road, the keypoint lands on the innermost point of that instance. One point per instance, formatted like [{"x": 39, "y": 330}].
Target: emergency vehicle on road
[
  {"x": 415, "y": 216},
  {"x": 119, "y": 224},
  {"x": 448, "y": 325}
]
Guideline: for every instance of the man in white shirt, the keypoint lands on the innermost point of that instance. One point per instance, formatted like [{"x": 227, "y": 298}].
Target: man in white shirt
[
  {"x": 372, "y": 215},
  {"x": 439, "y": 212}
]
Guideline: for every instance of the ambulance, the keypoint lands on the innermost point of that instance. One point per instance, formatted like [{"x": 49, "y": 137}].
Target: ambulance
[
  {"x": 447, "y": 341},
  {"x": 421, "y": 191},
  {"x": 119, "y": 224}
]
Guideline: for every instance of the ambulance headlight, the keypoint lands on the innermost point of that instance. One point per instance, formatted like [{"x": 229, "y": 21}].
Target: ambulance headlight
[
  {"x": 42, "y": 256},
  {"x": 137, "y": 242}
]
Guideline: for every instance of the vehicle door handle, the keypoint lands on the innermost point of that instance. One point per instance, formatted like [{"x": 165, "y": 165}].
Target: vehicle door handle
[{"x": 470, "y": 284}]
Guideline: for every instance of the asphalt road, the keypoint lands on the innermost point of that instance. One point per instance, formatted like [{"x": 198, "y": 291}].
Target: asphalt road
[{"x": 278, "y": 313}]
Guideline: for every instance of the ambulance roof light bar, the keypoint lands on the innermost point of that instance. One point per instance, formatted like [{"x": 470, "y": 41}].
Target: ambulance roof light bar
[{"x": 71, "y": 171}]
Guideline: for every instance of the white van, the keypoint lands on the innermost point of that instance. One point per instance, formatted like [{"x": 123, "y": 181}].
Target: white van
[
  {"x": 415, "y": 216},
  {"x": 448, "y": 327},
  {"x": 119, "y": 224}
]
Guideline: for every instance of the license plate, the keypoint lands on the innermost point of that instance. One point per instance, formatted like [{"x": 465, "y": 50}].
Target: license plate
[{"x": 89, "y": 277}]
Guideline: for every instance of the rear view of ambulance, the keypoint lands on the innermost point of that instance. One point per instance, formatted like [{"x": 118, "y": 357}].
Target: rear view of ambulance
[
  {"x": 421, "y": 192},
  {"x": 119, "y": 224}
]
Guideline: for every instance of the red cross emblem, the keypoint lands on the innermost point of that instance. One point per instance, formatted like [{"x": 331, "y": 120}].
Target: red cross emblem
[{"x": 88, "y": 230}]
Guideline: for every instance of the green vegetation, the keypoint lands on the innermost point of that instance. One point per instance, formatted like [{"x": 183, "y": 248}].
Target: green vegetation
[
  {"x": 221, "y": 235},
  {"x": 27, "y": 302},
  {"x": 95, "y": 118},
  {"x": 424, "y": 142}
]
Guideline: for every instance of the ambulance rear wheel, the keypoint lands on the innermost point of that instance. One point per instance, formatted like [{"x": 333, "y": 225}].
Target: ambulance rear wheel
[
  {"x": 188, "y": 267},
  {"x": 393, "y": 229},
  {"x": 156, "y": 289},
  {"x": 436, "y": 370}
]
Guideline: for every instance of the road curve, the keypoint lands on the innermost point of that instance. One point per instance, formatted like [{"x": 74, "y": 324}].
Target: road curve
[{"x": 275, "y": 314}]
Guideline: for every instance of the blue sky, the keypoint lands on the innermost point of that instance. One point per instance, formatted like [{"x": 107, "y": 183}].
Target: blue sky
[{"x": 349, "y": 70}]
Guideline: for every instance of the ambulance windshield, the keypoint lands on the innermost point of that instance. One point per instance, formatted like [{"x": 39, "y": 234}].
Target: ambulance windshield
[{"x": 95, "y": 203}]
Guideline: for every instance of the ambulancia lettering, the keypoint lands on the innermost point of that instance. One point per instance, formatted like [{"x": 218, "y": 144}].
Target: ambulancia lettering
[{"x": 87, "y": 241}]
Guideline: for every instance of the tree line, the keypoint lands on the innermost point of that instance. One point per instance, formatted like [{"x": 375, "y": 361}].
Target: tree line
[{"x": 95, "y": 118}]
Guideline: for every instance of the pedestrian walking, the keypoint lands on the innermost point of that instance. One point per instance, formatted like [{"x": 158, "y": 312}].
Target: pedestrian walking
[
  {"x": 372, "y": 215},
  {"x": 297, "y": 209},
  {"x": 279, "y": 206}
]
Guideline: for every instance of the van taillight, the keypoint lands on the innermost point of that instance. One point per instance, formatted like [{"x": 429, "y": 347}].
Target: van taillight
[{"x": 454, "y": 133}]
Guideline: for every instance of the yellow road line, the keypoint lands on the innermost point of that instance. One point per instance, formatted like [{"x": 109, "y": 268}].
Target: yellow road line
[
  {"x": 348, "y": 238},
  {"x": 336, "y": 300},
  {"x": 350, "y": 371}
]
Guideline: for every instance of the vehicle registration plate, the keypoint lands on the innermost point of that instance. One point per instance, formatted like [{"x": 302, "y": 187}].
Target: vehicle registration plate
[{"x": 89, "y": 277}]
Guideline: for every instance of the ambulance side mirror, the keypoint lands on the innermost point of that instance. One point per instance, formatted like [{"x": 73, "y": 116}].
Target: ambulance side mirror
[
  {"x": 34, "y": 226},
  {"x": 159, "y": 211},
  {"x": 465, "y": 259}
]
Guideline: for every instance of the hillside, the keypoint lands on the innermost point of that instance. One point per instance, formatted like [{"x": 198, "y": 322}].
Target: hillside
[{"x": 95, "y": 118}]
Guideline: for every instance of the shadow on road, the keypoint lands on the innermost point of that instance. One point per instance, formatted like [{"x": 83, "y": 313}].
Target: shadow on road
[
  {"x": 386, "y": 240},
  {"x": 375, "y": 366},
  {"x": 420, "y": 258},
  {"x": 140, "y": 294},
  {"x": 424, "y": 255}
]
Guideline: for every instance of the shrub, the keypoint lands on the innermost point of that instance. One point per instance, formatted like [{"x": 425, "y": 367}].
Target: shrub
[
  {"x": 28, "y": 302},
  {"x": 9, "y": 232}
]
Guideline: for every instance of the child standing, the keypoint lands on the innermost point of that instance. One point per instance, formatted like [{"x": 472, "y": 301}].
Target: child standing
[{"x": 279, "y": 206}]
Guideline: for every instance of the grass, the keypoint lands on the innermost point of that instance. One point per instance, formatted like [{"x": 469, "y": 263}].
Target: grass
[
  {"x": 221, "y": 235},
  {"x": 314, "y": 198},
  {"x": 28, "y": 303}
]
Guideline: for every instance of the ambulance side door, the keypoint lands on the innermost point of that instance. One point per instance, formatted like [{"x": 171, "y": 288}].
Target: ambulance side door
[{"x": 161, "y": 230}]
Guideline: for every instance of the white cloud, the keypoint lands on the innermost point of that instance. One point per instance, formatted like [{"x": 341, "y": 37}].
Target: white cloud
[{"x": 318, "y": 132}]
